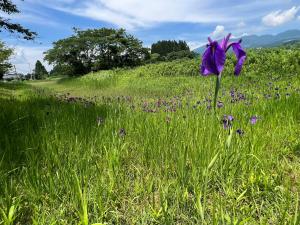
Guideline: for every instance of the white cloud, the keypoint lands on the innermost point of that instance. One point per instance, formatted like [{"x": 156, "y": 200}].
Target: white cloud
[
  {"x": 31, "y": 15},
  {"x": 137, "y": 13},
  {"x": 195, "y": 44},
  {"x": 218, "y": 32},
  {"x": 25, "y": 57},
  {"x": 241, "y": 24},
  {"x": 280, "y": 17}
]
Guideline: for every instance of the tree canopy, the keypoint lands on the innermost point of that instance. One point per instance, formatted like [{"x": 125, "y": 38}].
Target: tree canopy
[
  {"x": 97, "y": 49},
  {"x": 163, "y": 48},
  {"x": 8, "y": 7},
  {"x": 167, "y": 50},
  {"x": 5, "y": 53},
  {"x": 40, "y": 71}
]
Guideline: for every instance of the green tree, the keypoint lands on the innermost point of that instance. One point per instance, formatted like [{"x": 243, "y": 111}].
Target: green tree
[
  {"x": 61, "y": 70},
  {"x": 5, "y": 53},
  {"x": 40, "y": 71},
  {"x": 97, "y": 49},
  {"x": 163, "y": 48},
  {"x": 9, "y": 8},
  {"x": 180, "y": 54}
]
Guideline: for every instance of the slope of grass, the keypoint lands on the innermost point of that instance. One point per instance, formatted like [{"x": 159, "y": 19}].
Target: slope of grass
[{"x": 120, "y": 147}]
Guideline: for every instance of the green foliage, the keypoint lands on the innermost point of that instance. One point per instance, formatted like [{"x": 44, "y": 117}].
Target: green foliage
[
  {"x": 40, "y": 71},
  {"x": 155, "y": 57},
  {"x": 97, "y": 49},
  {"x": 5, "y": 53},
  {"x": 163, "y": 48},
  {"x": 292, "y": 44},
  {"x": 62, "y": 70},
  {"x": 170, "y": 50},
  {"x": 7, "y": 6},
  {"x": 280, "y": 61},
  {"x": 180, "y": 55}
]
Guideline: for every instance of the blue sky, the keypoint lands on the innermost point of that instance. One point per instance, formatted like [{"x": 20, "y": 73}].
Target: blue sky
[{"x": 190, "y": 20}]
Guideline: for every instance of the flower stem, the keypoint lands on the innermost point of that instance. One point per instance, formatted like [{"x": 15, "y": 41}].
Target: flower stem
[{"x": 218, "y": 85}]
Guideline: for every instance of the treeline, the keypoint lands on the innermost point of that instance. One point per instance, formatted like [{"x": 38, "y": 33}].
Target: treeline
[
  {"x": 167, "y": 50},
  {"x": 103, "y": 49},
  {"x": 96, "y": 49}
]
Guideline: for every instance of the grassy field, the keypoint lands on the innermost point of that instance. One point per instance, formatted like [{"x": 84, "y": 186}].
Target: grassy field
[{"x": 143, "y": 146}]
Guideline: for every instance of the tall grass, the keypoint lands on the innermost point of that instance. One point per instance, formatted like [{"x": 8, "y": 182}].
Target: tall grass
[{"x": 149, "y": 151}]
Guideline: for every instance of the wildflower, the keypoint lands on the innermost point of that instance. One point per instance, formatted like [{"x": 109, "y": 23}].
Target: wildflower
[
  {"x": 227, "y": 121},
  {"x": 241, "y": 96},
  {"x": 220, "y": 104},
  {"x": 232, "y": 93},
  {"x": 253, "y": 120},
  {"x": 213, "y": 59}
]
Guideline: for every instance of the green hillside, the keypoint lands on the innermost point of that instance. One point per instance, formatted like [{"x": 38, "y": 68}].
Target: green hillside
[{"x": 143, "y": 145}]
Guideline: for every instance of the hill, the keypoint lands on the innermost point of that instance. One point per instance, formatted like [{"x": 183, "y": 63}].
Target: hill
[{"x": 264, "y": 41}]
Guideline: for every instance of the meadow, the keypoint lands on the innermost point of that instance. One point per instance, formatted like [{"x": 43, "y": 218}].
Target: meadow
[{"x": 144, "y": 146}]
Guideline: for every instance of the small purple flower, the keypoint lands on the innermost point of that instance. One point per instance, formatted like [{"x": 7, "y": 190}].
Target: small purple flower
[
  {"x": 241, "y": 96},
  {"x": 253, "y": 120},
  {"x": 230, "y": 118},
  {"x": 214, "y": 57},
  {"x": 122, "y": 132},
  {"x": 220, "y": 104},
  {"x": 232, "y": 93},
  {"x": 227, "y": 121}
]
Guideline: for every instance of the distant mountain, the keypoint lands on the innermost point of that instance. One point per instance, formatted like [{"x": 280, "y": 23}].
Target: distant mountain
[{"x": 264, "y": 41}]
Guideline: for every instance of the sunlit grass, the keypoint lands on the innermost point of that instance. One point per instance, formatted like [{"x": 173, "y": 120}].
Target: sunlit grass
[{"x": 168, "y": 165}]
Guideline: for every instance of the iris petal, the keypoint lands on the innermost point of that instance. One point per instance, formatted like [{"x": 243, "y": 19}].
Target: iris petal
[
  {"x": 220, "y": 57},
  {"x": 207, "y": 66},
  {"x": 225, "y": 41},
  {"x": 240, "y": 55},
  {"x": 213, "y": 59},
  {"x": 204, "y": 71}
]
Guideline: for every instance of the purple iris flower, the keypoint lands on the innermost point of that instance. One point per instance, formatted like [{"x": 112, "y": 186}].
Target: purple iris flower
[{"x": 214, "y": 57}]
